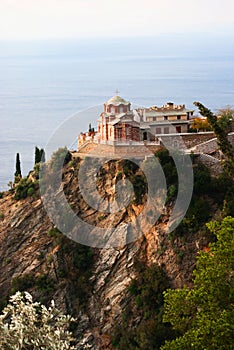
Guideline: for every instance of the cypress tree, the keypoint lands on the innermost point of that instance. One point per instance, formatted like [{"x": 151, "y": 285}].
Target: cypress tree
[
  {"x": 37, "y": 155},
  {"x": 18, "y": 174},
  {"x": 42, "y": 155}
]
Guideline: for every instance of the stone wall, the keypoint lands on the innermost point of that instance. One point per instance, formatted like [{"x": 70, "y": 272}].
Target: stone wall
[{"x": 213, "y": 164}]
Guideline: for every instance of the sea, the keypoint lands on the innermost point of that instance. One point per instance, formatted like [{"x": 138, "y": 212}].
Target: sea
[{"x": 44, "y": 83}]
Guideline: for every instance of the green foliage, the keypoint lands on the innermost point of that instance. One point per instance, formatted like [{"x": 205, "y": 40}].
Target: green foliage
[
  {"x": 56, "y": 234},
  {"x": 204, "y": 314},
  {"x": 18, "y": 174},
  {"x": 136, "y": 177},
  {"x": 30, "y": 191},
  {"x": 202, "y": 179},
  {"x": 221, "y": 129},
  {"x": 150, "y": 333},
  {"x": 23, "y": 283},
  {"x": 1, "y": 195},
  {"x": 101, "y": 217},
  {"x": 26, "y": 187},
  {"x": 39, "y": 155},
  {"x": 81, "y": 260},
  {"x": 148, "y": 287},
  {"x": 60, "y": 158},
  {"x": 170, "y": 172},
  {"x": 140, "y": 187},
  {"x": 25, "y": 325}
]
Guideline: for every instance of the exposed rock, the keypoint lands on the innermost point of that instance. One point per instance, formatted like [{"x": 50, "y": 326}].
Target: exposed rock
[{"x": 26, "y": 248}]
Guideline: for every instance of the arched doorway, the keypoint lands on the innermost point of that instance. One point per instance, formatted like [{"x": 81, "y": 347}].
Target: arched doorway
[{"x": 145, "y": 136}]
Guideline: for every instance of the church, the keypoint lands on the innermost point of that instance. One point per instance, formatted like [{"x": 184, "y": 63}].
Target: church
[{"x": 120, "y": 123}]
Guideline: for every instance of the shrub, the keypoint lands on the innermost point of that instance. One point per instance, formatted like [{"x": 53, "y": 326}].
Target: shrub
[
  {"x": 168, "y": 166},
  {"x": 202, "y": 179},
  {"x": 25, "y": 324},
  {"x": 30, "y": 191},
  {"x": 27, "y": 281},
  {"x": 60, "y": 158},
  {"x": 1, "y": 195},
  {"x": 25, "y": 188},
  {"x": 150, "y": 332}
]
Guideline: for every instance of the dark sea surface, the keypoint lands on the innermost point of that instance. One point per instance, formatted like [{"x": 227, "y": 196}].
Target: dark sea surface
[{"x": 43, "y": 83}]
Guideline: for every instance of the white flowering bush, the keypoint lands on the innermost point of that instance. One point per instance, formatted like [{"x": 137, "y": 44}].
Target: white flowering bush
[{"x": 29, "y": 325}]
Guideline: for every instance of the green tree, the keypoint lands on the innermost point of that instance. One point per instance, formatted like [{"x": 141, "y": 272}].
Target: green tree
[
  {"x": 42, "y": 155},
  {"x": 39, "y": 155},
  {"x": 204, "y": 314},
  {"x": 221, "y": 130},
  {"x": 25, "y": 325},
  {"x": 60, "y": 158},
  {"x": 18, "y": 174}
]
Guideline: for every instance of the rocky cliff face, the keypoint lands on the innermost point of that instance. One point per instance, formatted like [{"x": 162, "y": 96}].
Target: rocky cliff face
[{"x": 90, "y": 284}]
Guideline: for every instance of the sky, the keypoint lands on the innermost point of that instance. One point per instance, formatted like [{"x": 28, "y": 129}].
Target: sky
[{"x": 45, "y": 19}]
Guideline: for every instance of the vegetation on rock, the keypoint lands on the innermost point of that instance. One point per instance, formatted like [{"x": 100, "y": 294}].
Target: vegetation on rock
[
  {"x": 221, "y": 128},
  {"x": 203, "y": 315},
  {"x": 147, "y": 305},
  {"x": 18, "y": 173},
  {"x": 25, "y": 325}
]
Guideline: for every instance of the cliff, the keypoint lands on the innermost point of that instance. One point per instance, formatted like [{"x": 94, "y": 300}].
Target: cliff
[{"x": 89, "y": 283}]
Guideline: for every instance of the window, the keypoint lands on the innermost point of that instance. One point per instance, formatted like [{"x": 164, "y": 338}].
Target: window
[
  {"x": 166, "y": 130},
  {"x": 178, "y": 117},
  {"x": 158, "y": 131},
  {"x": 165, "y": 117}
]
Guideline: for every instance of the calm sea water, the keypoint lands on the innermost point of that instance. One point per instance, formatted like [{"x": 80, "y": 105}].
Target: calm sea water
[{"x": 43, "y": 83}]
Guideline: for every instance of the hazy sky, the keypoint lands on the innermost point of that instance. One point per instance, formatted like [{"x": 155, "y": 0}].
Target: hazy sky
[{"x": 105, "y": 18}]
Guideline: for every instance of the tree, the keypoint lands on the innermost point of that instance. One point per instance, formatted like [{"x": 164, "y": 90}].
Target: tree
[
  {"x": 221, "y": 131},
  {"x": 18, "y": 174},
  {"x": 226, "y": 111},
  {"x": 39, "y": 155},
  {"x": 25, "y": 325},
  {"x": 204, "y": 314},
  {"x": 42, "y": 154},
  {"x": 200, "y": 124},
  {"x": 60, "y": 158}
]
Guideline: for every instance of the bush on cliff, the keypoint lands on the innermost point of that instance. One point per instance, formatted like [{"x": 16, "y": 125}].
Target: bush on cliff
[
  {"x": 25, "y": 324},
  {"x": 203, "y": 315}
]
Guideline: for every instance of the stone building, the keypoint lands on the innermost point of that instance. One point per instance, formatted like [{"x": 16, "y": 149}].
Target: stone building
[
  {"x": 167, "y": 119},
  {"x": 119, "y": 123}
]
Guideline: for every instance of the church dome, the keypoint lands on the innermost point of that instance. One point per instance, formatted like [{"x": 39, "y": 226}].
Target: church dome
[{"x": 117, "y": 100}]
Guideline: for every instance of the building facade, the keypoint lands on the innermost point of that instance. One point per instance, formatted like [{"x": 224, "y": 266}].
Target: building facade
[
  {"x": 118, "y": 122},
  {"x": 167, "y": 119}
]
